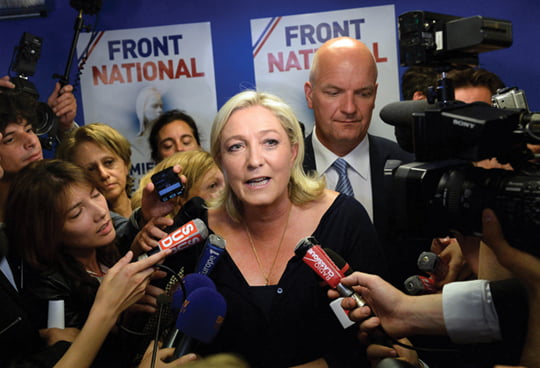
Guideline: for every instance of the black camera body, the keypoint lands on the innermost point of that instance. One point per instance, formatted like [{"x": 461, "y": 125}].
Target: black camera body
[
  {"x": 444, "y": 192},
  {"x": 433, "y": 39},
  {"x": 440, "y": 198},
  {"x": 24, "y": 63}
]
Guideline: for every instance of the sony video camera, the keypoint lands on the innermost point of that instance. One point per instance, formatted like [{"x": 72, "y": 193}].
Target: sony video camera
[
  {"x": 24, "y": 62},
  {"x": 443, "y": 191}
]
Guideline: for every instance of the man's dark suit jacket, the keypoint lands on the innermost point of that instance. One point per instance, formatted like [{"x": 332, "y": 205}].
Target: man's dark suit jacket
[{"x": 402, "y": 255}]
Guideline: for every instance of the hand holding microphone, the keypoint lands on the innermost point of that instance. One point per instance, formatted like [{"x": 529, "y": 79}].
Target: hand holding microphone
[{"x": 315, "y": 257}]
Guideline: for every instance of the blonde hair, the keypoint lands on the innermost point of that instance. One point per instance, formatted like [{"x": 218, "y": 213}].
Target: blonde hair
[
  {"x": 195, "y": 164},
  {"x": 104, "y": 136},
  {"x": 140, "y": 105},
  {"x": 302, "y": 188}
]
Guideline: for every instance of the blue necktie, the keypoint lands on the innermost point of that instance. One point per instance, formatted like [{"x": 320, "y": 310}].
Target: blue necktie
[{"x": 343, "y": 184}]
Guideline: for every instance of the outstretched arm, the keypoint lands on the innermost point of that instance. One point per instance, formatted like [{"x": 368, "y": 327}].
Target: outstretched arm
[
  {"x": 124, "y": 284},
  {"x": 399, "y": 314}
]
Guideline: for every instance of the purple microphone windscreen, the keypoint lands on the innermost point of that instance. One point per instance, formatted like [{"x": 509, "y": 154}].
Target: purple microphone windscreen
[
  {"x": 202, "y": 314},
  {"x": 191, "y": 282}
]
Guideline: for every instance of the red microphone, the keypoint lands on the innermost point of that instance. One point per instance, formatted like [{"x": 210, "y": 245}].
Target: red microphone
[
  {"x": 315, "y": 257},
  {"x": 191, "y": 233}
]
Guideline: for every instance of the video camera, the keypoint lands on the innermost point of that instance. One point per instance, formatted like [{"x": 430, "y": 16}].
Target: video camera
[
  {"x": 444, "y": 191},
  {"x": 24, "y": 62}
]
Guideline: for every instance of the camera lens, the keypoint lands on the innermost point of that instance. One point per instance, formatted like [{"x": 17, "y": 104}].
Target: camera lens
[{"x": 46, "y": 122}]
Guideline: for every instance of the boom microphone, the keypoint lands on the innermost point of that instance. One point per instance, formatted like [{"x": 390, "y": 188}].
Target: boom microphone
[
  {"x": 210, "y": 254},
  {"x": 315, "y": 257},
  {"x": 400, "y": 113},
  {"x": 182, "y": 238},
  {"x": 199, "y": 319}
]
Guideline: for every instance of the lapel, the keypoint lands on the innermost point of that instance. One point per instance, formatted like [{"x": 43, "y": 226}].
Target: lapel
[
  {"x": 309, "y": 155},
  {"x": 6, "y": 286}
]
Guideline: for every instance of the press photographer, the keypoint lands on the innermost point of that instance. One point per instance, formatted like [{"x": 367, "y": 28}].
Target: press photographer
[{"x": 55, "y": 117}]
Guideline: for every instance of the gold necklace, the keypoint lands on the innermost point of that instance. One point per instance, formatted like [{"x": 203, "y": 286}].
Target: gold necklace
[{"x": 267, "y": 276}]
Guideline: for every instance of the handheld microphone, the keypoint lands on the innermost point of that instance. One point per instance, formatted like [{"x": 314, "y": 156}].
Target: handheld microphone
[
  {"x": 379, "y": 336},
  {"x": 199, "y": 319},
  {"x": 210, "y": 254},
  {"x": 433, "y": 264},
  {"x": 316, "y": 258},
  {"x": 190, "y": 282},
  {"x": 182, "y": 238},
  {"x": 417, "y": 284},
  {"x": 193, "y": 208}
]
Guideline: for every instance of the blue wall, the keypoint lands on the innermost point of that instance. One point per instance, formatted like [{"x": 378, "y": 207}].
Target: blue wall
[{"x": 230, "y": 22}]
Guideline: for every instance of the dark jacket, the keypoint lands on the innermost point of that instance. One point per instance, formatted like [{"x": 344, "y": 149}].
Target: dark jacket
[{"x": 401, "y": 253}]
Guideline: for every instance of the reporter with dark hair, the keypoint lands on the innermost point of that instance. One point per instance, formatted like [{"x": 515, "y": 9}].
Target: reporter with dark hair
[
  {"x": 173, "y": 131},
  {"x": 416, "y": 81},
  {"x": 20, "y": 342},
  {"x": 62, "y": 102}
]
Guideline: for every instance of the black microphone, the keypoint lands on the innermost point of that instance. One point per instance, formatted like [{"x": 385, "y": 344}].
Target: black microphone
[
  {"x": 192, "y": 209},
  {"x": 400, "y": 113},
  {"x": 199, "y": 319},
  {"x": 162, "y": 300},
  {"x": 416, "y": 285},
  {"x": 431, "y": 263}
]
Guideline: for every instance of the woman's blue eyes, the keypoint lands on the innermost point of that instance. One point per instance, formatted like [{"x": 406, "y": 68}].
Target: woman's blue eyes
[{"x": 237, "y": 146}]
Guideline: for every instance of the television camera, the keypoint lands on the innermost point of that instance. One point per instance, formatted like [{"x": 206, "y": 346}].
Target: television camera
[{"x": 444, "y": 192}]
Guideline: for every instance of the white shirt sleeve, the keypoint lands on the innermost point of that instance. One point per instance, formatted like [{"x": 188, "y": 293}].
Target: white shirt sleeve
[{"x": 469, "y": 312}]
